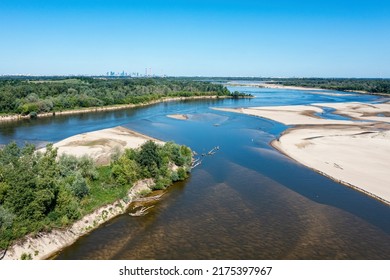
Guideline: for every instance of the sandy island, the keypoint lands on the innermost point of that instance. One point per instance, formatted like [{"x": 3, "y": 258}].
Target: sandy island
[
  {"x": 179, "y": 117},
  {"x": 99, "y": 145},
  {"x": 310, "y": 90},
  {"x": 355, "y": 152},
  {"x": 269, "y": 84}
]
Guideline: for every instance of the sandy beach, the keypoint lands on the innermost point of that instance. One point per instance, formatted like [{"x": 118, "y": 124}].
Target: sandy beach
[
  {"x": 288, "y": 115},
  {"x": 310, "y": 90},
  {"x": 277, "y": 86},
  {"x": 101, "y": 144},
  {"x": 268, "y": 84},
  {"x": 355, "y": 153}
]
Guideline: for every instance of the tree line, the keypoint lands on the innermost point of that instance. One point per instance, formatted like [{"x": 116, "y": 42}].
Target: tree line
[
  {"x": 40, "y": 191},
  {"x": 41, "y": 95},
  {"x": 367, "y": 85}
]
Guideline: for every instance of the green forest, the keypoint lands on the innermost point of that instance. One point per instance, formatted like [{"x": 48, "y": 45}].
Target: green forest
[
  {"x": 40, "y": 191},
  {"x": 36, "y": 95},
  {"x": 378, "y": 86},
  {"x": 369, "y": 85}
]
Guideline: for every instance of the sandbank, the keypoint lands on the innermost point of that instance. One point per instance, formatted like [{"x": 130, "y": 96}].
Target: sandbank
[
  {"x": 100, "y": 145},
  {"x": 268, "y": 85},
  {"x": 361, "y": 111},
  {"x": 278, "y": 86},
  {"x": 288, "y": 115},
  {"x": 310, "y": 90},
  {"x": 178, "y": 116},
  {"x": 355, "y": 153}
]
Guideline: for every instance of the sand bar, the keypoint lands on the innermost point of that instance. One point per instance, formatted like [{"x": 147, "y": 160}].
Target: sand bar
[
  {"x": 101, "y": 144},
  {"x": 361, "y": 111},
  {"x": 178, "y": 116},
  {"x": 288, "y": 115},
  {"x": 355, "y": 153}
]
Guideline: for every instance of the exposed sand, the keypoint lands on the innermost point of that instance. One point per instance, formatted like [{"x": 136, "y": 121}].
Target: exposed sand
[
  {"x": 306, "y": 89},
  {"x": 277, "y": 86},
  {"x": 361, "y": 111},
  {"x": 288, "y": 115},
  {"x": 355, "y": 153},
  {"x": 101, "y": 144},
  {"x": 178, "y": 116},
  {"x": 267, "y": 84}
]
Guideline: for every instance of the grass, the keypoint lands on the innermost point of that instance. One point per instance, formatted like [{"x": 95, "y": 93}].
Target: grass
[
  {"x": 101, "y": 192},
  {"x": 96, "y": 142}
]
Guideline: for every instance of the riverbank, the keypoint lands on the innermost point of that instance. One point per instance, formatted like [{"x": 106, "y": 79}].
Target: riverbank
[
  {"x": 100, "y": 146},
  {"x": 312, "y": 90},
  {"x": 279, "y": 86},
  {"x": 44, "y": 245},
  {"x": 13, "y": 117},
  {"x": 353, "y": 152},
  {"x": 269, "y": 85}
]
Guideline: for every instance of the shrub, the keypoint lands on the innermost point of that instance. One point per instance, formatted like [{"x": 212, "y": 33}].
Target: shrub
[
  {"x": 79, "y": 186},
  {"x": 26, "y": 256},
  {"x": 182, "y": 174}
]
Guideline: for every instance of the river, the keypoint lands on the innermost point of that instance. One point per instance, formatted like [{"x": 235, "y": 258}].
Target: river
[{"x": 247, "y": 201}]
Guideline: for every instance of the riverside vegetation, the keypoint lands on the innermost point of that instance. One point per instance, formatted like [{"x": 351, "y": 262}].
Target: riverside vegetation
[
  {"x": 41, "y": 191},
  {"x": 375, "y": 86},
  {"x": 34, "y": 95}
]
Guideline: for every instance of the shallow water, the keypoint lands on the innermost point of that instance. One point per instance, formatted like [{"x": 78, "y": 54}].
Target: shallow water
[
  {"x": 328, "y": 113},
  {"x": 246, "y": 202}
]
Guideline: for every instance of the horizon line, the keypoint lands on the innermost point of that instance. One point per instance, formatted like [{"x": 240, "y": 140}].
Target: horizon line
[{"x": 184, "y": 76}]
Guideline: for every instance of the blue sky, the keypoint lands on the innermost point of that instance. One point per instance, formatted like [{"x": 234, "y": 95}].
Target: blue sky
[{"x": 202, "y": 38}]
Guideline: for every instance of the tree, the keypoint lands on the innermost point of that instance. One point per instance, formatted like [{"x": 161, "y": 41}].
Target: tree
[
  {"x": 126, "y": 171},
  {"x": 149, "y": 158},
  {"x": 79, "y": 186}
]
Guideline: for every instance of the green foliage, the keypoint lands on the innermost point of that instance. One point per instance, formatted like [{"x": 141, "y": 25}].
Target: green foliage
[
  {"x": 182, "y": 173},
  {"x": 149, "y": 159},
  {"x": 368, "y": 85},
  {"x": 25, "y": 257},
  {"x": 6, "y": 222},
  {"x": 158, "y": 186},
  {"x": 40, "y": 191},
  {"x": 69, "y": 164},
  {"x": 79, "y": 186},
  {"x": 125, "y": 170},
  {"x": 174, "y": 176},
  {"x": 38, "y": 95}
]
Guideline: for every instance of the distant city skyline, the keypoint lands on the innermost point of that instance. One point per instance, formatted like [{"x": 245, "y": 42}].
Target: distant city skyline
[{"x": 196, "y": 38}]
